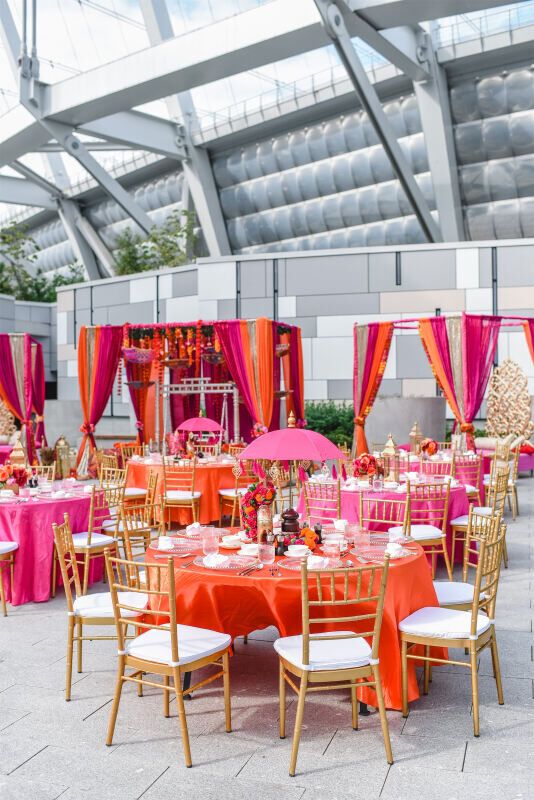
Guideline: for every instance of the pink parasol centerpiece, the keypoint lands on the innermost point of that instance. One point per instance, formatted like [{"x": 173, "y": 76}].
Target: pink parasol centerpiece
[
  {"x": 200, "y": 424},
  {"x": 291, "y": 444}
]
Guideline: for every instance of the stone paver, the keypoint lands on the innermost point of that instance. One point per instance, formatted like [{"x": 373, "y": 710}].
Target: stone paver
[{"x": 51, "y": 749}]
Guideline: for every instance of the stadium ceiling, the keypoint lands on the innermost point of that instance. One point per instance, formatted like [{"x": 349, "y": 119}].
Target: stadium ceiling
[{"x": 99, "y": 103}]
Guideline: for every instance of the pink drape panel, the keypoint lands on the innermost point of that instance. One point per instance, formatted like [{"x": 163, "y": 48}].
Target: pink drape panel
[
  {"x": 99, "y": 351},
  {"x": 229, "y": 334},
  {"x": 296, "y": 373},
  {"x": 38, "y": 385},
  {"x": 16, "y": 386},
  {"x": 479, "y": 343}
]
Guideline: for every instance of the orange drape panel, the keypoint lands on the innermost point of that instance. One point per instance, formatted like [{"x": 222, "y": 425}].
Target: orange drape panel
[
  {"x": 427, "y": 336},
  {"x": 372, "y": 380},
  {"x": 265, "y": 365}
]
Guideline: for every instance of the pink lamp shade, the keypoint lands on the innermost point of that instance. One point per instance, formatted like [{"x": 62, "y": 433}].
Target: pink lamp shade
[
  {"x": 291, "y": 444},
  {"x": 200, "y": 424}
]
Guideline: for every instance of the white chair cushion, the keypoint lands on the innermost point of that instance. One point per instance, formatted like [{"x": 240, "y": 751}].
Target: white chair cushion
[
  {"x": 8, "y": 547},
  {"x": 232, "y": 492},
  {"x": 453, "y": 592},
  {"x": 134, "y": 491},
  {"x": 330, "y": 654},
  {"x": 460, "y": 522},
  {"x": 97, "y": 540},
  {"x": 100, "y": 605},
  {"x": 193, "y": 643},
  {"x": 178, "y": 494},
  {"x": 425, "y": 532},
  {"x": 470, "y": 489},
  {"x": 443, "y": 623},
  {"x": 484, "y": 510}
]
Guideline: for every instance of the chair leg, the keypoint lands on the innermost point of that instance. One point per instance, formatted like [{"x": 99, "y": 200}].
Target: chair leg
[
  {"x": 282, "y": 699},
  {"x": 220, "y": 511},
  {"x": 116, "y": 701},
  {"x": 166, "y": 697},
  {"x": 382, "y": 712},
  {"x": 426, "y": 678},
  {"x": 54, "y": 572},
  {"x": 446, "y": 557},
  {"x": 433, "y": 563},
  {"x": 234, "y": 509},
  {"x": 79, "y": 634},
  {"x": 2, "y": 591},
  {"x": 453, "y": 545},
  {"x": 354, "y": 703},
  {"x": 227, "y": 695},
  {"x": 496, "y": 669},
  {"x": 70, "y": 648},
  {"x": 86, "y": 563},
  {"x": 505, "y": 554},
  {"x": 474, "y": 687},
  {"x": 404, "y": 670},
  {"x": 515, "y": 506},
  {"x": 298, "y": 724},
  {"x": 181, "y": 715}
]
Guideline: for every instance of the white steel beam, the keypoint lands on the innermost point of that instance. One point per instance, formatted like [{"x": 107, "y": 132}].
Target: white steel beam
[
  {"x": 68, "y": 214},
  {"x": 24, "y": 193},
  {"x": 198, "y": 173},
  {"x": 391, "y": 13},
  {"x": 334, "y": 23},
  {"x": 93, "y": 240}
]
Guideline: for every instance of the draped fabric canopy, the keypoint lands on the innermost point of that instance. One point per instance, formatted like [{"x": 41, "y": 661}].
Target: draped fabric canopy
[
  {"x": 22, "y": 384},
  {"x": 461, "y": 351},
  {"x": 99, "y": 351}
]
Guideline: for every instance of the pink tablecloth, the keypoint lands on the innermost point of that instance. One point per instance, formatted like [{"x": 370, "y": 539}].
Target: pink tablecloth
[
  {"x": 458, "y": 505},
  {"x": 30, "y": 524},
  {"x": 5, "y": 452}
]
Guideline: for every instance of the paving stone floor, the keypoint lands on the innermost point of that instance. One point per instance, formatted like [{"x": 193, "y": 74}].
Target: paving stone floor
[{"x": 51, "y": 749}]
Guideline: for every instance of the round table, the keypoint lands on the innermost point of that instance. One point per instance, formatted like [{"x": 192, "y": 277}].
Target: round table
[
  {"x": 209, "y": 478},
  {"x": 30, "y": 524},
  {"x": 237, "y": 605}
]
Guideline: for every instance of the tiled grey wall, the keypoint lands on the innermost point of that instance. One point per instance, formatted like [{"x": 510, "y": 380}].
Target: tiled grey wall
[
  {"x": 38, "y": 319},
  {"x": 325, "y": 293}
]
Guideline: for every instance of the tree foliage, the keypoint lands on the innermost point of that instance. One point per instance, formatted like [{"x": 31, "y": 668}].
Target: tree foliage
[
  {"x": 18, "y": 252},
  {"x": 166, "y": 246},
  {"x": 332, "y": 420}
]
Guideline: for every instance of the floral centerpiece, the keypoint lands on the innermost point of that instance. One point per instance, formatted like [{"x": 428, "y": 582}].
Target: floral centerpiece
[
  {"x": 13, "y": 477},
  {"x": 306, "y": 536},
  {"x": 258, "y": 430},
  {"x": 429, "y": 447},
  {"x": 365, "y": 465},
  {"x": 6, "y": 472},
  {"x": 256, "y": 495}
]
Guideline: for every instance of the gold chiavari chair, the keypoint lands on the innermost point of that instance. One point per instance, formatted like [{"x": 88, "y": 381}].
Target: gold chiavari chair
[
  {"x": 169, "y": 650},
  {"x": 135, "y": 493},
  {"x": 229, "y": 499},
  {"x": 83, "y": 610},
  {"x": 495, "y": 502},
  {"x": 283, "y": 483},
  {"x": 439, "y": 467},
  {"x": 129, "y": 450},
  {"x": 322, "y": 500},
  {"x": 459, "y": 594},
  {"x": 138, "y": 531},
  {"x": 429, "y": 507},
  {"x": 345, "y": 449},
  {"x": 179, "y": 489},
  {"x": 207, "y": 449},
  {"x": 473, "y": 630},
  {"x": 112, "y": 477},
  {"x": 108, "y": 461},
  {"x": 468, "y": 470},
  {"x": 7, "y": 559},
  {"x": 511, "y": 493},
  {"x": 46, "y": 472},
  {"x": 235, "y": 449},
  {"x": 382, "y": 514},
  {"x": 444, "y": 446},
  {"x": 113, "y": 525},
  {"x": 340, "y": 659}
]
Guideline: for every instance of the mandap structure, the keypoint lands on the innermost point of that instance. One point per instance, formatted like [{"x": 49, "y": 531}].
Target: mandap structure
[
  {"x": 174, "y": 369},
  {"x": 22, "y": 387},
  {"x": 461, "y": 351}
]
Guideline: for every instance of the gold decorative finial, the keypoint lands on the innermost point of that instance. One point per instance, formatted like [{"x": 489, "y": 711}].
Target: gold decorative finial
[
  {"x": 291, "y": 421},
  {"x": 390, "y": 448}
]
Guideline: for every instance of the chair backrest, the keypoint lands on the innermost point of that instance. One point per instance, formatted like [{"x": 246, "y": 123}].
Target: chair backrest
[
  {"x": 151, "y": 487},
  {"x": 379, "y": 514},
  {"x": 105, "y": 503},
  {"x": 179, "y": 478},
  {"x": 112, "y": 476},
  {"x": 444, "y": 446},
  {"x": 514, "y": 462},
  {"x": 235, "y": 449},
  {"x": 358, "y": 591},
  {"x": 47, "y": 472},
  {"x": 109, "y": 461},
  {"x": 429, "y": 503},
  {"x": 468, "y": 469},
  {"x": 487, "y": 575},
  {"x": 323, "y": 500},
  {"x": 138, "y": 531},
  {"x": 437, "y": 467},
  {"x": 123, "y": 576},
  {"x": 129, "y": 450},
  {"x": 497, "y": 490},
  {"x": 67, "y": 560},
  {"x": 207, "y": 449},
  {"x": 479, "y": 526}
]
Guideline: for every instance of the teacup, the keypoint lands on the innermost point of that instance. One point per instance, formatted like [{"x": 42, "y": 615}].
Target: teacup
[
  {"x": 165, "y": 543},
  {"x": 249, "y": 549}
]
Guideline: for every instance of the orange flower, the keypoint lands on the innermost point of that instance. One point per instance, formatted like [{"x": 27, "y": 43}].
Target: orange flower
[
  {"x": 4, "y": 474},
  {"x": 310, "y": 538}
]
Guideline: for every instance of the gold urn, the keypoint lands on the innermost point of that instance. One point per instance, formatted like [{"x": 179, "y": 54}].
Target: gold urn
[{"x": 416, "y": 437}]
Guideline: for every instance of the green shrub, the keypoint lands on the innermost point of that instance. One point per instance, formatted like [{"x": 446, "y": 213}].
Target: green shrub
[{"x": 332, "y": 420}]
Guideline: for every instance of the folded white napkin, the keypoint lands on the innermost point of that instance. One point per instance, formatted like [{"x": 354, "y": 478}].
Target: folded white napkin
[
  {"x": 193, "y": 529},
  {"x": 214, "y": 560},
  {"x": 87, "y": 489},
  {"x": 58, "y": 495},
  {"x": 394, "y": 549},
  {"x": 341, "y": 525},
  {"x": 317, "y": 562}
]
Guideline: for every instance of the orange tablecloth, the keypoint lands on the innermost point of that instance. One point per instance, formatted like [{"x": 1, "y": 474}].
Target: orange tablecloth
[
  {"x": 237, "y": 605},
  {"x": 209, "y": 479}
]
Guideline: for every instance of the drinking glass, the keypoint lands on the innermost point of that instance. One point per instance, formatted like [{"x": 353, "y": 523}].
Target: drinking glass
[
  {"x": 210, "y": 541},
  {"x": 378, "y": 484},
  {"x": 331, "y": 552},
  {"x": 266, "y": 555},
  {"x": 362, "y": 538}
]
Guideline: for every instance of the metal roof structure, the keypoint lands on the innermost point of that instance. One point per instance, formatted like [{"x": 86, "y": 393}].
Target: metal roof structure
[{"x": 353, "y": 122}]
